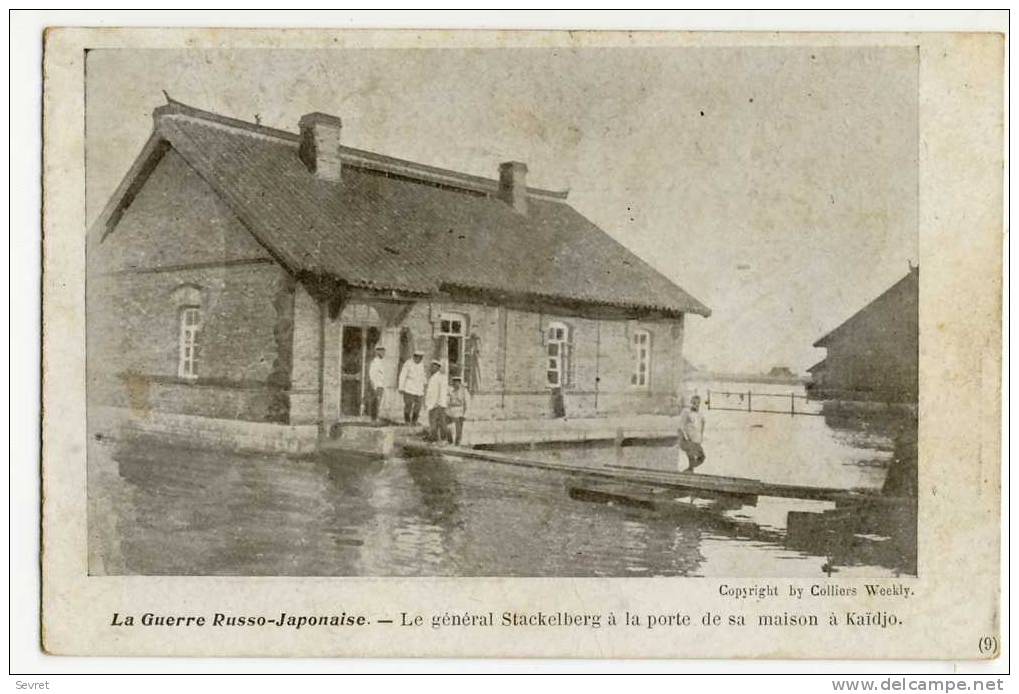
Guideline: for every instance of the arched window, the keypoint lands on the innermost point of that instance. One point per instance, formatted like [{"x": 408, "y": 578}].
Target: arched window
[
  {"x": 641, "y": 377},
  {"x": 189, "y": 355},
  {"x": 557, "y": 355}
]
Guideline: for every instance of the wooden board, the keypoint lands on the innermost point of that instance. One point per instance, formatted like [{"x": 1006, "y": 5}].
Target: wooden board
[{"x": 736, "y": 486}]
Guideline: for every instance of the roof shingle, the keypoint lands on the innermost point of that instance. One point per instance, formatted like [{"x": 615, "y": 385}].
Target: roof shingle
[{"x": 381, "y": 228}]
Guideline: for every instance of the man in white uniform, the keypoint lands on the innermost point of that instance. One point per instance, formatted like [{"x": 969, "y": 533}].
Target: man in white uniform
[
  {"x": 436, "y": 402},
  {"x": 691, "y": 433},
  {"x": 376, "y": 382},
  {"x": 412, "y": 385}
]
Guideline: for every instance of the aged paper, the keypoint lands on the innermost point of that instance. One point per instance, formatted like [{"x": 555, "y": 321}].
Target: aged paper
[{"x": 549, "y": 344}]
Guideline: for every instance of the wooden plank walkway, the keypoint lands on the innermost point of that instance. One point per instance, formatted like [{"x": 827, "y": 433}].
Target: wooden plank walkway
[{"x": 737, "y": 486}]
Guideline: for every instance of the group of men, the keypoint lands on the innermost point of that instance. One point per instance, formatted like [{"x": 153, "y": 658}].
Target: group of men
[{"x": 445, "y": 406}]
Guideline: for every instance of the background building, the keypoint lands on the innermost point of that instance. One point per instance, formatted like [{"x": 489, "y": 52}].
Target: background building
[{"x": 874, "y": 354}]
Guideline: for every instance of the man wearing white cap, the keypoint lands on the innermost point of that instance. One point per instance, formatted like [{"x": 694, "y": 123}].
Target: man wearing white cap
[
  {"x": 436, "y": 401},
  {"x": 412, "y": 385}
]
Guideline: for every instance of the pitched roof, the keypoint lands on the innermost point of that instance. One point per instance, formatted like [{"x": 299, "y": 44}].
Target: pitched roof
[
  {"x": 909, "y": 283},
  {"x": 391, "y": 224}
]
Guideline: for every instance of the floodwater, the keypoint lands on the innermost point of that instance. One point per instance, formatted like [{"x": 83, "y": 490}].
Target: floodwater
[{"x": 165, "y": 510}]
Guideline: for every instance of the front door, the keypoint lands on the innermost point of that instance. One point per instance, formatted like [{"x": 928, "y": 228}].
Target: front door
[{"x": 358, "y": 348}]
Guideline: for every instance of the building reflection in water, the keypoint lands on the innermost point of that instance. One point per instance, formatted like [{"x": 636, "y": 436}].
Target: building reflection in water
[{"x": 165, "y": 510}]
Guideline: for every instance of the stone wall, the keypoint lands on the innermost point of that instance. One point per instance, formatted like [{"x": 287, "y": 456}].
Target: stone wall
[
  {"x": 193, "y": 430},
  {"x": 304, "y": 388}
]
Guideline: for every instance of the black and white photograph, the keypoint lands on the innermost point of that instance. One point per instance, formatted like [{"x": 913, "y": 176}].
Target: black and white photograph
[
  {"x": 535, "y": 312},
  {"x": 570, "y": 344}
]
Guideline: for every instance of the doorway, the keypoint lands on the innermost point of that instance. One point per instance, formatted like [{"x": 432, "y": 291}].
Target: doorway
[{"x": 357, "y": 349}]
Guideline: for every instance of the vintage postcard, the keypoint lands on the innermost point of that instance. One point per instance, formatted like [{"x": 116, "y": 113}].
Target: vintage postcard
[{"x": 557, "y": 344}]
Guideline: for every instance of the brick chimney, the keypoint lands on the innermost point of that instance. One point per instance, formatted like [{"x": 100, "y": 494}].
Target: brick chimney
[
  {"x": 513, "y": 185},
  {"x": 320, "y": 144}
]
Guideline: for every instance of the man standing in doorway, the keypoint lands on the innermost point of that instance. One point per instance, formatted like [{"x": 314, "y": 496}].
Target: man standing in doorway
[
  {"x": 691, "y": 433},
  {"x": 376, "y": 382},
  {"x": 436, "y": 401},
  {"x": 412, "y": 385}
]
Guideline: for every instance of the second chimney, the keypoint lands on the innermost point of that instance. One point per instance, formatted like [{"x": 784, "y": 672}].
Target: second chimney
[
  {"x": 320, "y": 144},
  {"x": 513, "y": 185}
]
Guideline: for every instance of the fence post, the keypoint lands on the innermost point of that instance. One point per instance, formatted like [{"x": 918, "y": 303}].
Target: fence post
[
  {"x": 749, "y": 408},
  {"x": 792, "y": 404}
]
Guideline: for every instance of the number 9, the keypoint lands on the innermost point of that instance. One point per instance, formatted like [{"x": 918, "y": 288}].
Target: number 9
[{"x": 988, "y": 644}]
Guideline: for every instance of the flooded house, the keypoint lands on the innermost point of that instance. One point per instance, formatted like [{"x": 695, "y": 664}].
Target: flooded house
[
  {"x": 246, "y": 274},
  {"x": 873, "y": 356}
]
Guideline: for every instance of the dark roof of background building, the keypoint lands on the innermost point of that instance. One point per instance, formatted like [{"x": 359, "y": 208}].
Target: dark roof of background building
[
  {"x": 395, "y": 225},
  {"x": 909, "y": 283}
]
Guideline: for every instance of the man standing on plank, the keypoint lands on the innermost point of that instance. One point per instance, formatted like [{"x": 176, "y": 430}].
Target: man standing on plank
[{"x": 691, "y": 433}]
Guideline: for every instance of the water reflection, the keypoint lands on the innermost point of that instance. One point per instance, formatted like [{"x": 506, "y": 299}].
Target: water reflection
[{"x": 166, "y": 510}]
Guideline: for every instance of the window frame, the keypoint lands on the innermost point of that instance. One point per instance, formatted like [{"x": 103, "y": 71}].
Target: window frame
[
  {"x": 446, "y": 335},
  {"x": 563, "y": 358},
  {"x": 187, "y": 360},
  {"x": 641, "y": 357}
]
